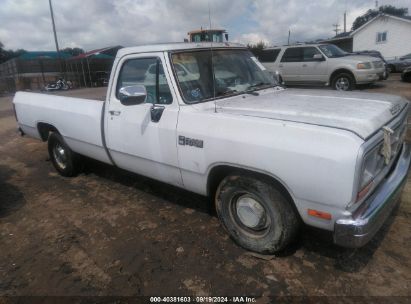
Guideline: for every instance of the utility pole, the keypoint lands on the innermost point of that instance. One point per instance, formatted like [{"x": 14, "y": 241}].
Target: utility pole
[
  {"x": 289, "y": 34},
  {"x": 345, "y": 21},
  {"x": 336, "y": 28},
  {"x": 55, "y": 36}
]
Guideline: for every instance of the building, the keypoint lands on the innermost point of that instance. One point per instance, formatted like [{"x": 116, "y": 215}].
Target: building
[
  {"x": 390, "y": 35},
  {"x": 34, "y": 70},
  {"x": 343, "y": 40},
  {"x": 387, "y": 34},
  {"x": 92, "y": 68},
  {"x": 31, "y": 70}
]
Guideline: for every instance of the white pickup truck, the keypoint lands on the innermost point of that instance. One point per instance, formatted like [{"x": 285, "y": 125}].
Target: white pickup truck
[{"x": 210, "y": 119}]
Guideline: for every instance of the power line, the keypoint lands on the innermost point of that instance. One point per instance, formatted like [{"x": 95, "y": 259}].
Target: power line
[{"x": 337, "y": 28}]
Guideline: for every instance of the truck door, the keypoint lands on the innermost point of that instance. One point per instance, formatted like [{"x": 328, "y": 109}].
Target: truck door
[{"x": 135, "y": 142}]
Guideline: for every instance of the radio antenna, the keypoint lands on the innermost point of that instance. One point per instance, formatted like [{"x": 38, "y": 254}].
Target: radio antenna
[{"x": 210, "y": 36}]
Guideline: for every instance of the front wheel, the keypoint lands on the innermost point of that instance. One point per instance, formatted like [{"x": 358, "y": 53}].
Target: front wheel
[
  {"x": 343, "y": 82},
  {"x": 255, "y": 214},
  {"x": 64, "y": 160}
]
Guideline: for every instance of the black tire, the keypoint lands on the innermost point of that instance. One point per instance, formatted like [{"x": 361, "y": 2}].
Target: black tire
[
  {"x": 279, "y": 222},
  {"x": 406, "y": 77},
  {"x": 343, "y": 82},
  {"x": 66, "y": 162}
]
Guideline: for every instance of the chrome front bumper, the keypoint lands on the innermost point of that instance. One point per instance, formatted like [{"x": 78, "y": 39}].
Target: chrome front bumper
[{"x": 372, "y": 214}]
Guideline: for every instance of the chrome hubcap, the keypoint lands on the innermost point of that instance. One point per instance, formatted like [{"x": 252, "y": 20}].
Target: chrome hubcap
[
  {"x": 60, "y": 156},
  {"x": 342, "y": 84},
  {"x": 251, "y": 213}
]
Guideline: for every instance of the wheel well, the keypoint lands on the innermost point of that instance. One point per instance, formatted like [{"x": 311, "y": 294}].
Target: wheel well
[
  {"x": 218, "y": 173},
  {"x": 45, "y": 129},
  {"x": 339, "y": 71}
]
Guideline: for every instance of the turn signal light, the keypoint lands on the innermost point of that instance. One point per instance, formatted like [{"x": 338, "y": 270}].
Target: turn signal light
[{"x": 319, "y": 214}]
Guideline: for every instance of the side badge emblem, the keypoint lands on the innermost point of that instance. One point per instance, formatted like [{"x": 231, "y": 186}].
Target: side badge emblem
[{"x": 186, "y": 141}]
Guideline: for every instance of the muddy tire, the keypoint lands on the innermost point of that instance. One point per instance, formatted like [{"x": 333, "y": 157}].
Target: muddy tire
[
  {"x": 343, "y": 82},
  {"x": 255, "y": 213},
  {"x": 64, "y": 160}
]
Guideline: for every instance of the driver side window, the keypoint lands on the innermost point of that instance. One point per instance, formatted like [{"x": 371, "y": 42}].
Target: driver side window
[{"x": 143, "y": 71}]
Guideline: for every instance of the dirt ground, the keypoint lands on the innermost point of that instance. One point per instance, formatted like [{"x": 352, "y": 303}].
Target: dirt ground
[{"x": 109, "y": 232}]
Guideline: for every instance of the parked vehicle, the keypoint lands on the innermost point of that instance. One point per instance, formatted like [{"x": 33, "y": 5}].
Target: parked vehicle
[
  {"x": 269, "y": 157},
  {"x": 399, "y": 64},
  {"x": 406, "y": 75},
  {"x": 60, "y": 84},
  {"x": 376, "y": 54},
  {"x": 322, "y": 64}
]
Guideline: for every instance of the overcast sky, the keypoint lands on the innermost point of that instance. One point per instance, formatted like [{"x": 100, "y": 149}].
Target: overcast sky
[{"x": 91, "y": 24}]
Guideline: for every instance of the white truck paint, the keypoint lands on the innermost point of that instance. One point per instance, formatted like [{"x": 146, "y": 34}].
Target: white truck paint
[{"x": 312, "y": 142}]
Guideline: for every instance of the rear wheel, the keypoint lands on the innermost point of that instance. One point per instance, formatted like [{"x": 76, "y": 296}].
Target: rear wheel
[
  {"x": 406, "y": 77},
  {"x": 343, "y": 82},
  {"x": 255, "y": 214},
  {"x": 64, "y": 160}
]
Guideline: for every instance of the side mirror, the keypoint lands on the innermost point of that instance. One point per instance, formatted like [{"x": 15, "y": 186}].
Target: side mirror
[
  {"x": 133, "y": 95},
  {"x": 318, "y": 57}
]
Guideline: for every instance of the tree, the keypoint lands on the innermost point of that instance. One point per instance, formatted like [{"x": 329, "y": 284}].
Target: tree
[
  {"x": 73, "y": 51},
  {"x": 3, "y": 53},
  {"x": 257, "y": 49},
  {"x": 6, "y": 55},
  {"x": 371, "y": 13}
]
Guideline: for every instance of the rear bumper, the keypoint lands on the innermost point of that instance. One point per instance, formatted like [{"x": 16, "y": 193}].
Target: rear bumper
[{"x": 366, "y": 222}]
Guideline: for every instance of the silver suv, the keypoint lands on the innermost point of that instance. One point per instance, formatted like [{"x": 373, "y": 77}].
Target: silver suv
[{"x": 321, "y": 64}]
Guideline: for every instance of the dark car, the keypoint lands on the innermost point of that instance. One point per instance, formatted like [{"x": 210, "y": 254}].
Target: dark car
[
  {"x": 406, "y": 75},
  {"x": 400, "y": 64},
  {"x": 376, "y": 54}
]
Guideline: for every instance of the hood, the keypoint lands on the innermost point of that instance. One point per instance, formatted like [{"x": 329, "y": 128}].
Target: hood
[
  {"x": 360, "y": 113},
  {"x": 360, "y": 58}
]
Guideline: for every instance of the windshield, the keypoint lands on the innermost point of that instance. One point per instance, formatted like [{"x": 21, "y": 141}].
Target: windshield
[
  {"x": 204, "y": 75},
  {"x": 332, "y": 51}
]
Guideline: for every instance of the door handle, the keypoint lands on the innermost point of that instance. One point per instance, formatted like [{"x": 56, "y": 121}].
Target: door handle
[
  {"x": 115, "y": 113},
  {"x": 280, "y": 65},
  {"x": 304, "y": 65}
]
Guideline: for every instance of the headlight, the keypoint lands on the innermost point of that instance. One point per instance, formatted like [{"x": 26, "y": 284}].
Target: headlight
[
  {"x": 372, "y": 166},
  {"x": 364, "y": 66}
]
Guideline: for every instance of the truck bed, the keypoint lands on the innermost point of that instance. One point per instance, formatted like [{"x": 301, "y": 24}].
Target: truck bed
[{"x": 78, "y": 120}]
